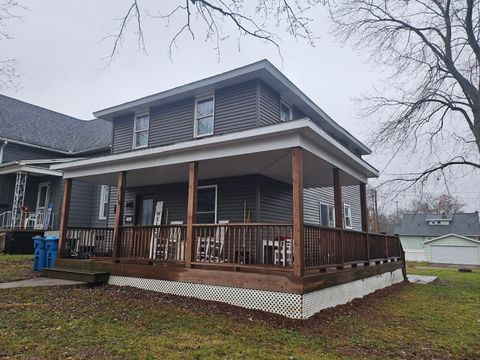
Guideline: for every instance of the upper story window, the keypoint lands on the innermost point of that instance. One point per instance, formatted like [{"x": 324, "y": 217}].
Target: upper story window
[
  {"x": 286, "y": 111},
  {"x": 103, "y": 208},
  {"x": 204, "y": 116},
  {"x": 140, "y": 130},
  {"x": 347, "y": 216}
]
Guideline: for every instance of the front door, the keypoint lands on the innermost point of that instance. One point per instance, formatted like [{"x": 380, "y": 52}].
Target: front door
[
  {"x": 145, "y": 210},
  {"x": 43, "y": 196}
]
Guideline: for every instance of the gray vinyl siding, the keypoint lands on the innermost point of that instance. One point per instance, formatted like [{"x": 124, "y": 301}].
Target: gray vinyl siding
[
  {"x": 7, "y": 188},
  {"x": 269, "y": 106},
  {"x": 95, "y": 221},
  {"x": 233, "y": 195},
  {"x": 171, "y": 123},
  {"x": 314, "y": 196},
  {"x": 275, "y": 201},
  {"x": 122, "y": 133},
  {"x": 13, "y": 152},
  {"x": 236, "y": 108},
  {"x": 82, "y": 203}
]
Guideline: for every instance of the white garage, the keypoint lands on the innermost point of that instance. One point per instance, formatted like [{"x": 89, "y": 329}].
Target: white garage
[{"x": 453, "y": 249}]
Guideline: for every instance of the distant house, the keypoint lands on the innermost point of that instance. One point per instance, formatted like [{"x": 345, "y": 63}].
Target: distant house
[
  {"x": 451, "y": 238},
  {"x": 31, "y": 139}
]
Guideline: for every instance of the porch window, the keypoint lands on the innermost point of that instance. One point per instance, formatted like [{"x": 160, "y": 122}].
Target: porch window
[
  {"x": 207, "y": 204},
  {"x": 204, "y": 116},
  {"x": 347, "y": 216},
  {"x": 103, "y": 208},
  {"x": 140, "y": 130},
  {"x": 286, "y": 112},
  {"x": 327, "y": 215}
]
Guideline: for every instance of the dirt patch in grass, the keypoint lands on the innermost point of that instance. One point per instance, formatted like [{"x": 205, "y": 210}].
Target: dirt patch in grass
[{"x": 16, "y": 267}]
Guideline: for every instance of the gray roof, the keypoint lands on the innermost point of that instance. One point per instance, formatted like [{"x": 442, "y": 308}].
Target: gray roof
[
  {"x": 461, "y": 224},
  {"x": 33, "y": 125}
]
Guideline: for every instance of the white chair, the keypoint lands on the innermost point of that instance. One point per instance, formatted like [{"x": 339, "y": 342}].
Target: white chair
[
  {"x": 30, "y": 221},
  {"x": 210, "y": 248},
  {"x": 215, "y": 245},
  {"x": 175, "y": 243}
]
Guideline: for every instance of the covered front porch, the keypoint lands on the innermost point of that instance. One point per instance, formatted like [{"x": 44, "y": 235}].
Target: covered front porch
[
  {"x": 235, "y": 248},
  {"x": 27, "y": 200}
]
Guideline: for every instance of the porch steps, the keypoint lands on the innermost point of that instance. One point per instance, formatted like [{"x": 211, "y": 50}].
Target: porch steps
[{"x": 89, "y": 276}]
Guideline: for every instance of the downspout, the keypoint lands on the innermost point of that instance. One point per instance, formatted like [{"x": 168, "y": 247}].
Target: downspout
[{"x": 1, "y": 150}]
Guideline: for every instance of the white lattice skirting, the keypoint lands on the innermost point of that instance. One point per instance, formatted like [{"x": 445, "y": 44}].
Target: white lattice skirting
[{"x": 290, "y": 305}]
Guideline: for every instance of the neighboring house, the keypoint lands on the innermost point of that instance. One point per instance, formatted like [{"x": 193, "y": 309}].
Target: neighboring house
[
  {"x": 240, "y": 189},
  {"x": 448, "y": 238},
  {"x": 31, "y": 139}
]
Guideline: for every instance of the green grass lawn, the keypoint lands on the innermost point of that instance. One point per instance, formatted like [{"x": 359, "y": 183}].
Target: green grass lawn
[
  {"x": 16, "y": 267},
  {"x": 413, "y": 321}
]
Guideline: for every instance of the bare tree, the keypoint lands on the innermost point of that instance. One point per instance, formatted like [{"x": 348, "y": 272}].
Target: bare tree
[
  {"x": 431, "y": 100},
  {"x": 8, "y": 73},
  {"x": 431, "y": 204},
  {"x": 260, "y": 19}
]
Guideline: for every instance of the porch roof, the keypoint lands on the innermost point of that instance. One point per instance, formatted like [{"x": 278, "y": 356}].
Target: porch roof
[
  {"x": 32, "y": 167},
  {"x": 264, "y": 151}
]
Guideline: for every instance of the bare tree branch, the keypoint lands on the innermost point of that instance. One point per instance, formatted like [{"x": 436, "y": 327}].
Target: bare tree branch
[
  {"x": 9, "y": 77},
  {"x": 431, "y": 51},
  {"x": 258, "y": 20}
]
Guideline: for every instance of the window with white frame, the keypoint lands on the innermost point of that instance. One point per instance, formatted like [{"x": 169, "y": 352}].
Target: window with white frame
[
  {"x": 347, "y": 216},
  {"x": 327, "y": 215},
  {"x": 140, "y": 130},
  {"x": 103, "y": 208},
  {"x": 207, "y": 204},
  {"x": 204, "y": 116},
  {"x": 286, "y": 112}
]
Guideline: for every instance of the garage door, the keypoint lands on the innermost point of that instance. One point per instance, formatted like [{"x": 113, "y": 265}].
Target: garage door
[{"x": 455, "y": 254}]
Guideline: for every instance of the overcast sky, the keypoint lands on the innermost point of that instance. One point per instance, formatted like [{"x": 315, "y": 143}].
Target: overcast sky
[{"x": 61, "y": 57}]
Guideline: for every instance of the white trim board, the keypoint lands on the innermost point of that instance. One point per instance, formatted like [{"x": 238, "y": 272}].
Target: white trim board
[
  {"x": 302, "y": 132},
  {"x": 448, "y": 235},
  {"x": 31, "y": 170}
]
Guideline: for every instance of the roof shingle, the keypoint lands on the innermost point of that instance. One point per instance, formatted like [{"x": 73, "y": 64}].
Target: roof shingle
[
  {"x": 31, "y": 124},
  {"x": 466, "y": 224}
]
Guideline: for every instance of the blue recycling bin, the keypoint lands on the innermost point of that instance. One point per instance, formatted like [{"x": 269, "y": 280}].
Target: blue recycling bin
[
  {"x": 51, "y": 250},
  {"x": 39, "y": 253}
]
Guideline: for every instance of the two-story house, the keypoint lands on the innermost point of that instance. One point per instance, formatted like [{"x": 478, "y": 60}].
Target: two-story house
[
  {"x": 31, "y": 139},
  {"x": 237, "y": 183},
  {"x": 441, "y": 238}
]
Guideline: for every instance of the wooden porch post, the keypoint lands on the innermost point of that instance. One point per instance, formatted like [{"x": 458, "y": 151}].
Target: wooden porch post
[
  {"x": 117, "y": 233},
  {"x": 67, "y": 192},
  {"x": 363, "y": 206},
  {"x": 298, "y": 226},
  {"x": 365, "y": 222},
  {"x": 191, "y": 211},
  {"x": 337, "y": 199}
]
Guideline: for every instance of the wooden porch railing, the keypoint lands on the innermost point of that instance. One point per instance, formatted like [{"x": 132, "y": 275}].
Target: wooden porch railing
[
  {"x": 88, "y": 242},
  {"x": 332, "y": 247},
  {"x": 269, "y": 245},
  {"x": 153, "y": 243},
  {"x": 243, "y": 244}
]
